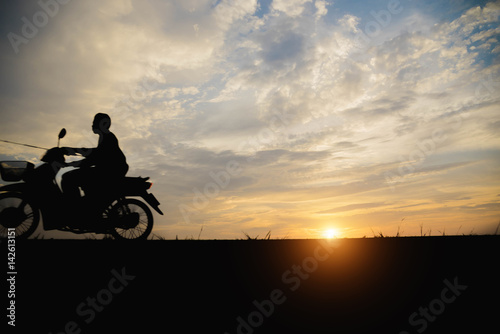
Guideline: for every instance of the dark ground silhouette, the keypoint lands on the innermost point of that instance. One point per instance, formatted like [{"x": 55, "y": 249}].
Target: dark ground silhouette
[{"x": 381, "y": 285}]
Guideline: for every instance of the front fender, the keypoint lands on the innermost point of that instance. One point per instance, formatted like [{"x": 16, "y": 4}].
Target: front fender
[{"x": 15, "y": 187}]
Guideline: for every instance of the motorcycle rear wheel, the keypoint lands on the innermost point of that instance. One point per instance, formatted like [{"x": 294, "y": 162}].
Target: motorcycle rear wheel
[
  {"x": 18, "y": 213},
  {"x": 129, "y": 206}
]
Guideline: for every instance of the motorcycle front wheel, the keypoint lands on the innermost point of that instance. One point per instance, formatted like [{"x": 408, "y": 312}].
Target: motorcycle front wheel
[
  {"x": 17, "y": 214},
  {"x": 133, "y": 219}
]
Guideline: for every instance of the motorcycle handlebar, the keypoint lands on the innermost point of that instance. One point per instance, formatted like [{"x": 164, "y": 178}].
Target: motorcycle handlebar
[{"x": 54, "y": 154}]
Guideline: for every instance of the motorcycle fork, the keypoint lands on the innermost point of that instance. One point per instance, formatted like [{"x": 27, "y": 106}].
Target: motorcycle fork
[{"x": 123, "y": 205}]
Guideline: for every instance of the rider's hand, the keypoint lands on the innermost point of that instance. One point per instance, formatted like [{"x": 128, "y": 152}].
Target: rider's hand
[
  {"x": 74, "y": 163},
  {"x": 70, "y": 150},
  {"x": 67, "y": 150}
]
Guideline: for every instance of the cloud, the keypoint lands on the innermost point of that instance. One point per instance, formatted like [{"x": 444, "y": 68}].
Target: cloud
[
  {"x": 292, "y": 8},
  {"x": 351, "y": 207},
  {"x": 287, "y": 91},
  {"x": 495, "y": 206}
]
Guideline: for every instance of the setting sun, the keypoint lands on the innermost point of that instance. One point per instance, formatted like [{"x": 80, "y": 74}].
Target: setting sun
[{"x": 330, "y": 233}]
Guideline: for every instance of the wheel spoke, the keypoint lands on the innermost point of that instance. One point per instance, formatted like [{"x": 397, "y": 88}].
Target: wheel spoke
[
  {"x": 144, "y": 223},
  {"x": 18, "y": 213}
]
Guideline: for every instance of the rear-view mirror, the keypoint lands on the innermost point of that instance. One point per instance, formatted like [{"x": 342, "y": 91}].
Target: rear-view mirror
[{"x": 62, "y": 133}]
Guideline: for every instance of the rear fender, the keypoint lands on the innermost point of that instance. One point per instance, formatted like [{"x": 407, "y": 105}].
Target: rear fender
[
  {"x": 152, "y": 201},
  {"x": 138, "y": 186}
]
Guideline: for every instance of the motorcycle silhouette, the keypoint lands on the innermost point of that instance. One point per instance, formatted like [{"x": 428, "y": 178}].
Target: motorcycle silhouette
[{"x": 105, "y": 208}]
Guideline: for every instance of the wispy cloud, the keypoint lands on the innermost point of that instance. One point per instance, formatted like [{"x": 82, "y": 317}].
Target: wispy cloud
[{"x": 336, "y": 115}]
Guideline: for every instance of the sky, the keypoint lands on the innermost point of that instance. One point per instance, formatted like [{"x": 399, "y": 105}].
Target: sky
[{"x": 291, "y": 116}]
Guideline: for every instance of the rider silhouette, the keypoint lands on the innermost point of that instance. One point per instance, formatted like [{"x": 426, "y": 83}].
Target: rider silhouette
[{"x": 104, "y": 163}]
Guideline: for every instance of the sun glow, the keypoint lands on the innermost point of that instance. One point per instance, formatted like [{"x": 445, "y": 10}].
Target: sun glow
[{"x": 330, "y": 233}]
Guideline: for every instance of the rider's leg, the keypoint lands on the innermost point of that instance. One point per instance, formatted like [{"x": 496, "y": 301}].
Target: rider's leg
[{"x": 70, "y": 183}]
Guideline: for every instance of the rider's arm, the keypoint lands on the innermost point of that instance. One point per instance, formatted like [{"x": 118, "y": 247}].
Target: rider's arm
[
  {"x": 74, "y": 163},
  {"x": 92, "y": 157},
  {"x": 83, "y": 163},
  {"x": 77, "y": 151}
]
